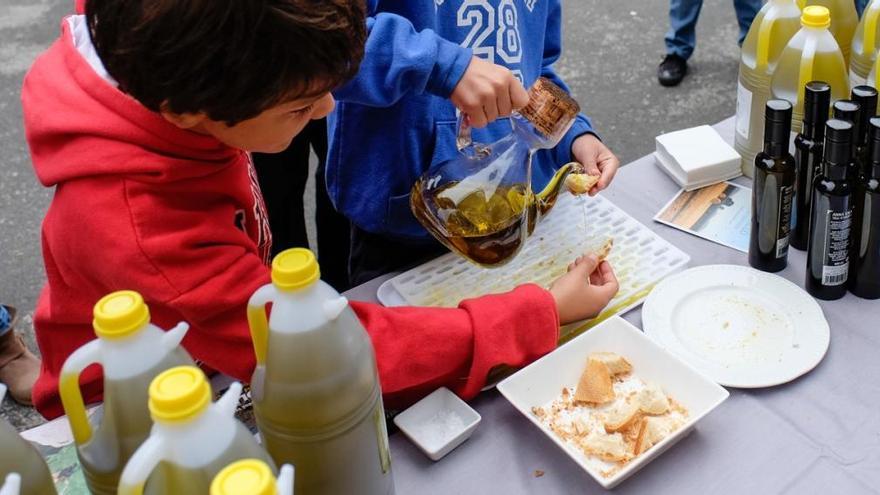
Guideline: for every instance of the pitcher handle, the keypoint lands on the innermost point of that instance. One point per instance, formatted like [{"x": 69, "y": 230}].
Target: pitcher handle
[
  {"x": 71, "y": 394},
  {"x": 258, "y": 321},
  {"x": 764, "y": 31},
  {"x": 464, "y": 141},
  {"x": 805, "y": 72},
  {"x": 870, "y": 34},
  {"x": 172, "y": 338},
  {"x": 228, "y": 403},
  {"x": 140, "y": 466}
]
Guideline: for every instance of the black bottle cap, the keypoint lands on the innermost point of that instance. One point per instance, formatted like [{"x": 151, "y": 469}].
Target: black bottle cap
[
  {"x": 866, "y": 97},
  {"x": 838, "y": 147},
  {"x": 817, "y": 100},
  {"x": 873, "y": 167},
  {"x": 777, "y": 126}
]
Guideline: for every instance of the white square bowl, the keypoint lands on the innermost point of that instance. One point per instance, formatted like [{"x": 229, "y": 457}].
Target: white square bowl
[
  {"x": 438, "y": 423},
  {"x": 542, "y": 381}
]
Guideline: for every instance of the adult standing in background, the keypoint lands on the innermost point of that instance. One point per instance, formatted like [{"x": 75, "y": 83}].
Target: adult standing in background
[{"x": 681, "y": 39}]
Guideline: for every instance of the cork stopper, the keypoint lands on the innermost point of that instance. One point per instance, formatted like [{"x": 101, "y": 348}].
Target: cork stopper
[{"x": 550, "y": 109}]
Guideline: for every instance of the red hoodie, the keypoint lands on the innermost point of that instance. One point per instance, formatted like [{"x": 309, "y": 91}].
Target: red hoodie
[{"x": 141, "y": 204}]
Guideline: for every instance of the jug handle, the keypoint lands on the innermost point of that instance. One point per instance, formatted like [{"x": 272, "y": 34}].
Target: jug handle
[
  {"x": 870, "y": 33},
  {"x": 12, "y": 485},
  {"x": 71, "y": 395},
  {"x": 140, "y": 466},
  {"x": 463, "y": 140},
  {"x": 764, "y": 31},
  {"x": 285, "y": 480},
  {"x": 229, "y": 401},
  {"x": 258, "y": 321},
  {"x": 805, "y": 73},
  {"x": 173, "y": 337}
]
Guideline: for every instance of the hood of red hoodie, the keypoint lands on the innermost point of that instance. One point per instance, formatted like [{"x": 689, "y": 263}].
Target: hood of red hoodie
[{"x": 79, "y": 125}]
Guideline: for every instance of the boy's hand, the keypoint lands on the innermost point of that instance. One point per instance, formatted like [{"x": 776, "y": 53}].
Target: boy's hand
[
  {"x": 597, "y": 159},
  {"x": 488, "y": 91},
  {"x": 585, "y": 290}
]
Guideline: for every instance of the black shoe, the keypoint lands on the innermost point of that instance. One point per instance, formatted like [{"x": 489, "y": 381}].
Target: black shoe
[{"x": 672, "y": 70}]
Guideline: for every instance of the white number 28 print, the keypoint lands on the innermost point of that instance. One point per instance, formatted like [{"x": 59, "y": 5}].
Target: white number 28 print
[{"x": 485, "y": 21}]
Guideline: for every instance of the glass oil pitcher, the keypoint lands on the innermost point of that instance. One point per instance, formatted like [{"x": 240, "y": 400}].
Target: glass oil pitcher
[{"x": 480, "y": 204}]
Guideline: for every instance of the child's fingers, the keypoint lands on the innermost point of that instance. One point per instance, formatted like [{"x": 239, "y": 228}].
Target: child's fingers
[
  {"x": 608, "y": 276},
  {"x": 505, "y": 106},
  {"x": 519, "y": 97}
]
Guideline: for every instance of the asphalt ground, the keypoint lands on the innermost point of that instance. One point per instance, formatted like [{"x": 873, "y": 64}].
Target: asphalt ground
[{"x": 612, "y": 48}]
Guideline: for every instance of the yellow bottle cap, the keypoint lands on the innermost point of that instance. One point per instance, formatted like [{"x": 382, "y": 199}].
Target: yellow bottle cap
[
  {"x": 179, "y": 394},
  {"x": 120, "y": 314},
  {"x": 294, "y": 269},
  {"x": 816, "y": 16},
  {"x": 245, "y": 477}
]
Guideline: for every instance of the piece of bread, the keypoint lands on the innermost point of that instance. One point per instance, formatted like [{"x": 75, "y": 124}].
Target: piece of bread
[
  {"x": 580, "y": 182},
  {"x": 652, "y": 400},
  {"x": 616, "y": 363},
  {"x": 653, "y": 429},
  {"x": 595, "y": 385},
  {"x": 610, "y": 448},
  {"x": 622, "y": 418},
  {"x": 604, "y": 250}
]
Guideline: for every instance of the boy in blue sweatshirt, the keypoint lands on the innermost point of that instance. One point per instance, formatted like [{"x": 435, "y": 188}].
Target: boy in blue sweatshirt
[{"x": 397, "y": 118}]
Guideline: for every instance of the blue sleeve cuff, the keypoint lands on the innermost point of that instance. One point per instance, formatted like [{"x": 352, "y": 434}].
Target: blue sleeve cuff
[
  {"x": 452, "y": 61},
  {"x": 581, "y": 126}
]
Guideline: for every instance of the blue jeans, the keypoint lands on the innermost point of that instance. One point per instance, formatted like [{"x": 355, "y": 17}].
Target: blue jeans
[
  {"x": 860, "y": 6},
  {"x": 682, "y": 36},
  {"x": 5, "y": 320}
]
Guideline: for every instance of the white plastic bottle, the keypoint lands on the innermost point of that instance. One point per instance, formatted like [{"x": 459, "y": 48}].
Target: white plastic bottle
[
  {"x": 811, "y": 55},
  {"x": 17, "y": 455},
  {"x": 192, "y": 439},
  {"x": 864, "y": 45},
  {"x": 132, "y": 352},
  {"x": 252, "y": 477},
  {"x": 316, "y": 389}
]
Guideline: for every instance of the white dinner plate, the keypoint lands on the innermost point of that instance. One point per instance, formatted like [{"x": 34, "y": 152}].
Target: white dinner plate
[{"x": 741, "y": 327}]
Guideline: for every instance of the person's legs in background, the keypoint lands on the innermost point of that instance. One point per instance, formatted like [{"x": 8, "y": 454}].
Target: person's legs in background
[
  {"x": 746, "y": 10},
  {"x": 373, "y": 255},
  {"x": 860, "y": 6},
  {"x": 334, "y": 230},
  {"x": 681, "y": 39},
  {"x": 283, "y": 178},
  {"x": 19, "y": 368}
]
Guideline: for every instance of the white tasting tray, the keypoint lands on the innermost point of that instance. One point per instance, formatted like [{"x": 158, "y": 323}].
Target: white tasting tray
[{"x": 640, "y": 259}]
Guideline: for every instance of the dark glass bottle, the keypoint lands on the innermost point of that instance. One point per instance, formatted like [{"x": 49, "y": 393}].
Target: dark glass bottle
[
  {"x": 848, "y": 110},
  {"x": 808, "y": 157},
  {"x": 865, "y": 256},
  {"x": 773, "y": 192},
  {"x": 831, "y": 216},
  {"x": 866, "y": 98}
]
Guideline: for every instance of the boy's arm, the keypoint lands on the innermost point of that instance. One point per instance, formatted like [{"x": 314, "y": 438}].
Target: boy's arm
[
  {"x": 399, "y": 60},
  {"x": 420, "y": 349},
  {"x": 552, "y": 51}
]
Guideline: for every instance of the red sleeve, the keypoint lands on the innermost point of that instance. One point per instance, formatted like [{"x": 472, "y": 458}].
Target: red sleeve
[
  {"x": 80, "y": 6},
  {"x": 421, "y": 349}
]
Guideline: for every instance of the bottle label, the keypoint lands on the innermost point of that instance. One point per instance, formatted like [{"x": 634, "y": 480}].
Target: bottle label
[
  {"x": 835, "y": 270},
  {"x": 743, "y": 110},
  {"x": 786, "y": 201}
]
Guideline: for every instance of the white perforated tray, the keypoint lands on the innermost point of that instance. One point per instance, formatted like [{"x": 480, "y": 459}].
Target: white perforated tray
[{"x": 640, "y": 259}]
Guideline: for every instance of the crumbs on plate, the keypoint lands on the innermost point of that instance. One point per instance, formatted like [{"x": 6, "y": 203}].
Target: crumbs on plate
[{"x": 612, "y": 416}]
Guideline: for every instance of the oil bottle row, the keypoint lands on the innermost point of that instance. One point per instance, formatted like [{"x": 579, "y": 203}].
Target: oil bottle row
[
  {"x": 826, "y": 198},
  {"x": 315, "y": 391},
  {"x": 791, "y": 43}
]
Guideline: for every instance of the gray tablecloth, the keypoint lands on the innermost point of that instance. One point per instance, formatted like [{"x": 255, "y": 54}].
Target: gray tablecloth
[{"x": 818, "y": 434}]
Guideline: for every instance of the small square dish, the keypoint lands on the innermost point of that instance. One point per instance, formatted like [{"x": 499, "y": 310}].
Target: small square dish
[
  {"x": 438, "y": 423},
  {"x": 540, "y": 385}
]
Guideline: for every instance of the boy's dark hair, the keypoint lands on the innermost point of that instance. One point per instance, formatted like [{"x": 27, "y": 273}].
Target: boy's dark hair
[{"x": 231, "y": 59}]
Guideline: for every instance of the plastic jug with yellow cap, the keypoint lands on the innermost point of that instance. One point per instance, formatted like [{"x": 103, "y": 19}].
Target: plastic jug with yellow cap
[
  {"x": 864, "y": 45},
  {"x": 131, "y": 352},
  {"x": 771, "y": 31},
  {"x": 192, "y": 439},
  {"x": 811, "y": 55},
  {"x": 844, "y": 20},
  {"x": 315, "y": 388},
  {"x": 252, "y": 477},
  {"x": 18, "y": 456}
]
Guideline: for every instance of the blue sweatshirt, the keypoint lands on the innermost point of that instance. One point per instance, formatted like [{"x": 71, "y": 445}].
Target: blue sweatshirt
[{"x": 394, "y": 120}]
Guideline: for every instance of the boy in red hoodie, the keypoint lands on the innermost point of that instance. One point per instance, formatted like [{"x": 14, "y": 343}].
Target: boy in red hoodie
[{"x": 142, "y": 115}]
